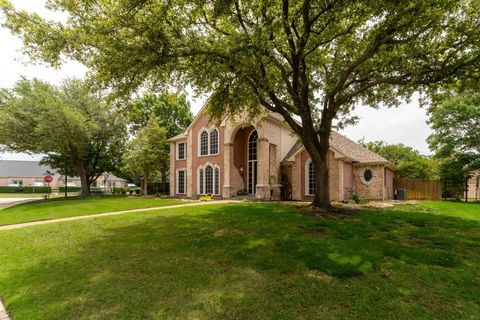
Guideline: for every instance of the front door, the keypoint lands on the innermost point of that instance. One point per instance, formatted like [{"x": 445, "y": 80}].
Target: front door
[{"x": 252, "y": 162}]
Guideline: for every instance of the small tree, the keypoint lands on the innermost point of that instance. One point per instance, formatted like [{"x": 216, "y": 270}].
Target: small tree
[
  {"x": 173, "y": 114},
  {"x": 73, "y": 127},
  {"x": 455, "y": 121},
  {"x": 145, "y": 152}
]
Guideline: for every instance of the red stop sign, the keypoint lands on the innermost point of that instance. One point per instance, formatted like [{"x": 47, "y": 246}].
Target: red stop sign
[{"x": 48, "y": 179}]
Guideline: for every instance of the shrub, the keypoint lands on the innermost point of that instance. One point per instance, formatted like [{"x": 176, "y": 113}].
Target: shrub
[
  {"x": 27, "y": 189},
  {"x": 206, "y": 198},
  {"x": 69, "y": 189}
]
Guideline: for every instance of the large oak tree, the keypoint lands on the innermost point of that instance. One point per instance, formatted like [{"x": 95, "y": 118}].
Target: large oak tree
[
  {"x": 77, "y": 132},
  {"x": 307, "y": 59}
]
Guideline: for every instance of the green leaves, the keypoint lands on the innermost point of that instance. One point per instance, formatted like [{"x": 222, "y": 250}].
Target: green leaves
[
  {"x": 455, "y": 121},
  {"x": 71, "y": 125}
]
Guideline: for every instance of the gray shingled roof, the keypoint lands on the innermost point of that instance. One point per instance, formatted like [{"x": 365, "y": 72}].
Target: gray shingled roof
[
  {"x": 32, "y": 169},
  {"x": 14, "y": 168},
  {"x": 352, "y": 150}
]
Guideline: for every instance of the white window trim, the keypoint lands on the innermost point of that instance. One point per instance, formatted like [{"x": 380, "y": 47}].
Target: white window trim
[
  {"x": 214, "y": 166},
  {"x": 362, "y": 173},
  {"x": 184, "y": 152},
  {"x": 177, "y": 184},
  {"x": 307, "y": 177},
  {"x": 199, "y": 142}
]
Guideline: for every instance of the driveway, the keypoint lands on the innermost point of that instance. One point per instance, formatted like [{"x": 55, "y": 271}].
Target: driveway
[{"x": 8, "y": 202}]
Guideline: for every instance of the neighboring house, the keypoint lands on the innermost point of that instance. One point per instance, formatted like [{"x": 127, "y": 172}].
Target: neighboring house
[
  {"x": 264, "y": 159},
  {"x": 473, "y": 184},
  {"x": 31, "y": 173}
]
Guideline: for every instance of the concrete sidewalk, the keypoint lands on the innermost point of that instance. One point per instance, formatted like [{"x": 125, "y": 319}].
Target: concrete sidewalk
[{"x": 105, "y": 214}]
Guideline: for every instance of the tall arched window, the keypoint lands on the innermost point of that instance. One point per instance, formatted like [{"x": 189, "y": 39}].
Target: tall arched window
[
  {"x": 217, "y": 181},
  {"x": 214, "y": 142},
  {"x": 252, "y": 162},
  {"x": 204, "y": 143},
  {"x": 209, "y": 180},
  {"x": 201, "y": 176},
  {"x": 311, "y": 178}
]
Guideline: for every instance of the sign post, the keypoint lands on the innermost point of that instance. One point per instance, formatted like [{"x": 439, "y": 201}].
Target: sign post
[{"x": 48, "y": 179}]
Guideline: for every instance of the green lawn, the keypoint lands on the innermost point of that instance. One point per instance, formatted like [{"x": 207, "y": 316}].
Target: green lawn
[
  {"x": 77, "y": 206},
  {"x": 469, "y": 210},
  {"x": 245, "y": 261}
]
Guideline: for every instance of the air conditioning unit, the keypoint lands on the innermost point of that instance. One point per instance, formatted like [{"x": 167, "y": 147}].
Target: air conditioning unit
[{"x": 401, "y": 194}]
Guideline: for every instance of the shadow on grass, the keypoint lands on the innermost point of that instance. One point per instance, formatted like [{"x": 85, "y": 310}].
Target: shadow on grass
[{"x": 235, "y": 261}]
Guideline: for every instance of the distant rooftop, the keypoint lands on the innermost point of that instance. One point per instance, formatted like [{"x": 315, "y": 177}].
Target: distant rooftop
[
  {"x": 31, "y": 169},
  {"x": 18, "y": 168}
]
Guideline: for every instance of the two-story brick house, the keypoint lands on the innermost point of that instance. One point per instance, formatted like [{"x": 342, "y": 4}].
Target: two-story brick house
[{"x": 265, "y": 159}]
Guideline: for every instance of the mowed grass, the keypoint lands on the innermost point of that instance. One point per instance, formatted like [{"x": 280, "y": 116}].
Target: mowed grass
[
  {"x": 468, "y": 210},
  {"x": 245, "y": 261},
  {"x": 77, "y": 206}
]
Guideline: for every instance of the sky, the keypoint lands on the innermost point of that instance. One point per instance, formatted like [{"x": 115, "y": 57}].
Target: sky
[{"x": 405, "y": 124}]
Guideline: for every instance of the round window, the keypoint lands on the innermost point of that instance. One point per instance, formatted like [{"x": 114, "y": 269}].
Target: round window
[{"x": 367, "y": 175}]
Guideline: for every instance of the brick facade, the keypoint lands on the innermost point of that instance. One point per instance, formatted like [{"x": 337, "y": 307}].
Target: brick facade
[{"x": 274, "y": 147}]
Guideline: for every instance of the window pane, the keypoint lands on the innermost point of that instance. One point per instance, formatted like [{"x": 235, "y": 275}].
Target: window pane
[
  {"x": 209, "y": 180},
  {"x": 201, "y": 181},
  {"x": 181, "y": 181},
  {"x": 204, "y": 143},
  {"x": 214, "y": 142},
  {"x": 217, "y": 181},
  {"x": 252, "y": 162},
  {"x": 311, "y": 178},
  {"x": 252, "y": 146},
  {"x": 181, "y": 151}
]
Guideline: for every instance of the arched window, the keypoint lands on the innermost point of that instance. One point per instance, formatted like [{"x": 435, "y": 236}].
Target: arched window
[
  {"x": 204, "y": 143},
  {"x": 201, "y": 181},
  {"x": 252, "y": 162},
  {"x": 209, "y": 180},
  {"x": 214, "y": 142},
  {"x": 311, "y": 178},
  {"x": 217, "y": 181}
]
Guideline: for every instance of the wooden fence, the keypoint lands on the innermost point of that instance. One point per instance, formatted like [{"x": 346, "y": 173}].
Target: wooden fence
[{"x": 418, "y": 189}]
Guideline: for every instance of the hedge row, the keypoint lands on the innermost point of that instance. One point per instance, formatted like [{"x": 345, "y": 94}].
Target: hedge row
[
  {"x": 28, "y": 189},
  {"x": 69, "y": 189},
  {"x": 124, "y": 191}
]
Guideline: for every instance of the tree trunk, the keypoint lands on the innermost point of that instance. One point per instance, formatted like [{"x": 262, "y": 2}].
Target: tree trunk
[
  {"x": 322, "y": 179},
  {"x": 145, "y": 189},
  {"x": 319, "y": 155},
  {"x": 85, "y": 185}
]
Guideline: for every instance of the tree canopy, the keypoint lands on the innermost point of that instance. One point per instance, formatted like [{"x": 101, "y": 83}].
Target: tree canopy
[
  {"x": 314, "y": 60},
  {"x": 74, "y": 128},
  {"x": 455, "y": 122},
  {"x": 171, "y": 110},
  {"x": 410, "y": 164}
]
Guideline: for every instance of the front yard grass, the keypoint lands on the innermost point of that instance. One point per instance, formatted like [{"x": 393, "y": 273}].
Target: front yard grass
[
  {"x": 77, "y": 206},
  {"x": 245, "y": 261}
]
